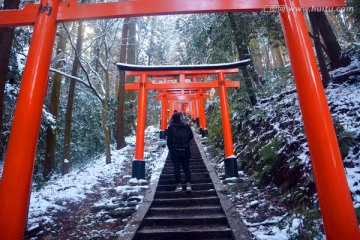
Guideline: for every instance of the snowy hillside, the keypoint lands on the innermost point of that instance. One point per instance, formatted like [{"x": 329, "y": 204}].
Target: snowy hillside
[{"x": 97, "y": 199}]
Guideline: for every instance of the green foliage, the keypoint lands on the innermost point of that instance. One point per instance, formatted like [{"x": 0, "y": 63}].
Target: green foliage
[
  {"x": 214, "y": 125},
  {"x": 305, "y": 222},
  {"x": 346, "y": 139},
  {"x": 357, "y": 211},
  {"x": 268, "y": 155}
]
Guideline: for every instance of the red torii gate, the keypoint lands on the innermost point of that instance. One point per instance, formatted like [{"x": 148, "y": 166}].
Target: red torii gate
[
  {"x": 186, "y": 99},
  {"x": 335, "y": 201},
  {"x": 193, "y": 99},
  {"x": 138, "y": 165}
]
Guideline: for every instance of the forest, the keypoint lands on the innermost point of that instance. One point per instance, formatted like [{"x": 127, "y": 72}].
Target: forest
[{"x": 89, "y": 120}]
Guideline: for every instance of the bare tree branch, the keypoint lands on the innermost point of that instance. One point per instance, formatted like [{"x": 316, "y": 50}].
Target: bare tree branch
[
  {"x": 83, "y": 82},
  {"x": 80, "y": 59}
]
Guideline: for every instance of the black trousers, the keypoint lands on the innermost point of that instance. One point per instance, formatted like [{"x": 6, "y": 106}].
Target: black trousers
[{"x": 181, "y": 158}]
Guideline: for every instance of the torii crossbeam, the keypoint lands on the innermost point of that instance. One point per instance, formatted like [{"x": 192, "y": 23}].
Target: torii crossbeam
[{"x": 335, "y": 200}]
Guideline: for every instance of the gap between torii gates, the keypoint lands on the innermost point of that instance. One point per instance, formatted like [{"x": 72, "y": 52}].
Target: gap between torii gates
[
  {"x": 334, "y": 196},
  {"x": 191, "y": 102},
  {"x": 175, "y": 91}
]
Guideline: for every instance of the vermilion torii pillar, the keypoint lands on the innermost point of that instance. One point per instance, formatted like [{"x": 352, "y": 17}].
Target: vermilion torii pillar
[
  {"x": 164, "y": 108},
  {"x": 230, "y": 159},
  {"x": 202, "y": 116},
  {"x": 336, "y": 206},
  {"x": 138, "y": 165},
  {"x": 19, "y": 161}
]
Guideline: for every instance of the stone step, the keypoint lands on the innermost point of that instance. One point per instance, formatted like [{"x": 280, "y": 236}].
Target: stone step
[
  {"x": 184, "y": 211},
  {"x": 192, "y": 171},
  {"x": 195, "y": 215},
  {"x": 205, "y": 232},
  {"x": 193, "y": 181},
  {"x": 181, "y": 202},
  {"x": 195, "y": 167},
  {"x": 195, "y": 187},
  {"x": 193, "y": 194},
  {"x": 193, "y": 175},
  {"x": 168, "y": 220}
]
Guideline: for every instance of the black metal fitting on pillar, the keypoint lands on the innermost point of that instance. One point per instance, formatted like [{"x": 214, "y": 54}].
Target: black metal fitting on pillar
[
  {"x": 163, "y": 134},
  {"x": 204, "y": 133},
  {"x": 197, "y": 120},
  {"x": 231, "y": 168},
  {"x": 201, "y": 131},
  {"x": 138, "y": 169}
]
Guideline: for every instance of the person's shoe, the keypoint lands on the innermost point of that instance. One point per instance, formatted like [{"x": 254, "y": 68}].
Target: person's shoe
[
  {"x": 188, "y": 187},
  {"x": 178, "y": 188}
]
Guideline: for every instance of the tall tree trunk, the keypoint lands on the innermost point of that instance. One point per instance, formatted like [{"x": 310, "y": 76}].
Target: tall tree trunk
[
  {"x": 104, "y": 118},
  {"x": 151, "y": 43},
  {"x": 50, "y": 151},
  {"x": 6, "y": 39},
  {"x": 278, "y": 55},
  {"x": 69, "y": 107},
  {"x": 342, "y": 25},
  {"x": 267, "y": 57},
  {"x": 257, "y": 56},
  {"x": 131, "y": 48},
  {"x": 273, "y": 57},
  {"x": 239, "y": 48},
  {"x": 319, "y": 53},
  {"x": 336, "y": 57},
  {"x": 120, "y": 136},
  {"x": 131, "y": 59}
]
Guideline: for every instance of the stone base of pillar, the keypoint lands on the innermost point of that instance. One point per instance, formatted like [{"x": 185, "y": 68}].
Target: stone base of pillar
[
  {"x": 231, "y": 168},
  {"x": 138, "y": 169},
  {"x": 204, "y": 133},
  {"x": 197, "y": 121},
  {"x": 163, "y": 134}
]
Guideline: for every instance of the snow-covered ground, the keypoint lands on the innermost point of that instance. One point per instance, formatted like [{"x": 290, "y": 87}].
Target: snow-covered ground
[
  {"x": 276, "y": 123},
  {"x": 75, "y": 187}
]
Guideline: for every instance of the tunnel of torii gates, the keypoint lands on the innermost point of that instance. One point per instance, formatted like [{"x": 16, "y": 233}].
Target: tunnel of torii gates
[
  {"x": 334, "y": 196},
  {"x": 181, "y": 85}
]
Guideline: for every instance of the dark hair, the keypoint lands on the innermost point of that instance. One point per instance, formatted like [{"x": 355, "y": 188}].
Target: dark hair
[{"x": 176, "y": 117}]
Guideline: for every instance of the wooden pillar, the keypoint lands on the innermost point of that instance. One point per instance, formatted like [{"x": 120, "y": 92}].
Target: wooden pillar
[
  {"x": 163, "y": 117},
  {"x": 202, "y": 115},
  {"x": 334, "y": 196},
  {"x": 231, "y": 169},
  {"x": 19, "y": 162},
  {"x": 138, "y": 166}
]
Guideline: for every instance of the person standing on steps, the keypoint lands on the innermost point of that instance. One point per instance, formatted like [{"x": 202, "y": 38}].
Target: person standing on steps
[{"x": 178, "y": 142}]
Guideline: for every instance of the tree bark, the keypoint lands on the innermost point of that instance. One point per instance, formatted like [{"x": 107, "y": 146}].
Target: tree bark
[
  {"x": 131, "y": 59},
  {"x": 257, "y": 56},
  {"x": 334, "y": 51},
  {"x": 239, "y": 48},
  {"x": 120, "y": 136},
  {"x": 279, "y": 58},
  {"x": 267, "y": 57},
  {"x": 104, "y": 118},
  {"x": 6, "y": 39},
  {"x": 319, "y": 53},
  {"x": 69, "y": 107},
  {"x": 50, "y": 151},
  {"x": 273, "y": 57}
]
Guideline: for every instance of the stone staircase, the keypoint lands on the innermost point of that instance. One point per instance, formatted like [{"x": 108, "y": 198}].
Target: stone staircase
[{"x": 181, "y": 215}]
